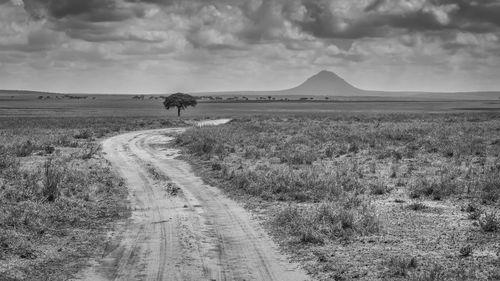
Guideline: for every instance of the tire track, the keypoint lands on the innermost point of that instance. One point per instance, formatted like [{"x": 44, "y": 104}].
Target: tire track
[{"x": 198, "y": 235}]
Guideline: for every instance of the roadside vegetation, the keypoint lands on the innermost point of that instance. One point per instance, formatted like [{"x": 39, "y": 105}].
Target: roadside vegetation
[
  {"x": 58, "y": 196},
  {"x": 367, "y": 196}
]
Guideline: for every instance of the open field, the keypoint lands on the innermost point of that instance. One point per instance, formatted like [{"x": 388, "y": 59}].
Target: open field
[
  {"x": 121, "y": 106},
  {"x": 180, "y": 228},
  {"x": 58, "y": 196},
  {"x": 366, "y": 197},
  {"x": 353, "y": 190},
  {"x": 261, "y": 140}
]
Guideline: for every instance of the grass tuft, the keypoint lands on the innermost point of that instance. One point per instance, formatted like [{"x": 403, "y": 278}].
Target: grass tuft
[
  {"x": 52, "y": 180},
  {"x": 401, "y": 266},
  {"x": 466, "y": 251},
  {"x": 417, "y": 206},
  {"x": 490, "y": 222},
  {"x": 325, "y": 221}
]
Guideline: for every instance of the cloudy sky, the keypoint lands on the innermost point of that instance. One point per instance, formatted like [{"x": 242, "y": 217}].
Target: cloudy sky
[{"x": 158, "y": 46}]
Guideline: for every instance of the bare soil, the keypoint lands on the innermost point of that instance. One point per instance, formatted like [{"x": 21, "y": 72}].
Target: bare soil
[{"x": 181, "y": 228}]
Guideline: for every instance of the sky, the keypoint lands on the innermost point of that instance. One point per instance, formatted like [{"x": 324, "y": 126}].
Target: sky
[{"x": 163, "y": 46}]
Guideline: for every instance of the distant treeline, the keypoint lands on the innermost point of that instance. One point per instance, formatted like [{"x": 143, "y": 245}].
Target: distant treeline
[{"x": 71, "y": 97}]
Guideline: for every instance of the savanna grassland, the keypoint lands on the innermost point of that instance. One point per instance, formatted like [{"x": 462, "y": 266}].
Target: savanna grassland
[
  {"x": 113, "y": 106},
  {"x": 58, "y": 195},
  {"x": 366, "y": 196}
]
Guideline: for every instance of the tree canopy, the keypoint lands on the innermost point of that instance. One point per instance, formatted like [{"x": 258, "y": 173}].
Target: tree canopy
[{"x": 180, "y": 101}]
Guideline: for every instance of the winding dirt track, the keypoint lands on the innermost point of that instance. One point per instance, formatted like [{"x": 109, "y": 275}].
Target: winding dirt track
[{"x": 198, "y": 234}]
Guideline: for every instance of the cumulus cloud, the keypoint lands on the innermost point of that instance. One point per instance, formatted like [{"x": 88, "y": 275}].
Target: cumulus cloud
[
  {"x": 90, "y": 10},
  {"x": 271, "y": 35}
]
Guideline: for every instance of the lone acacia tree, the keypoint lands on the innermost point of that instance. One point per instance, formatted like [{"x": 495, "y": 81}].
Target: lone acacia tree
[{"x": 179, "y": 100}]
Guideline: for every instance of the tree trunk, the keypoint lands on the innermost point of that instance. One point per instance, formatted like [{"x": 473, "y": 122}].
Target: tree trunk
[{"x": 178, "y": 112}]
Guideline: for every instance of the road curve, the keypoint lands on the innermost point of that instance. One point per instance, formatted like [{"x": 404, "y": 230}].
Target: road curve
[{"x": 181, "y": 228}]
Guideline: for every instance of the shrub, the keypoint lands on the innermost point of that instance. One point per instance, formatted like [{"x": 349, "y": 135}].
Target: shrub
[
  {"x": 67, "y": 141},
  {"x": 24, "y": 249},
  {"x": 490, "y": 222},
  {"x": 417, "y": 206},
  {"x": 379, "y": 188},
  {"x": 488, "y": 185},
  {"x": 84, "y": 134},
  {"x": 474, "y": 211},
  {"x": 436, "y": 189},
  {"x": 325, "y": 221},
  {"x": 52, "y": 181},
  {"x": 49, "y": 149},
  {"x": 289, "y": 183},
  {"x": 204, "y": 141},
  {"x": 471, "y": 208},
  {"x": 394, "y": 171},
  {"x": 400, "y": 266},
  {"x": 435, "y": 273},
  {"x": 299, "y": 157},
  {"x": 173, "y": 189},
  {"x": 89, "y": 150},
  {"x": 24, "y": 149},
  {"x": 7, "y": 161},
  {"x": 329, "y": 152},
  {"x": 466, "y": 251},
  {"x": 216, "y": 166}
]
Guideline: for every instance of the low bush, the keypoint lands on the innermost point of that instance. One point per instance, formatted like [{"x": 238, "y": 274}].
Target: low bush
[
  {"x": 52, "y": 180},
  {"x": 379, "y": 188},
  {"x": 434, "y": 273},
  {"x": 89, "y": 150},
  {"x": 488, "y": 185},
  {"x": 466, "y": 251},
  {"x": 437, "y": 272},
  {"x": 7, "y": 161},
  {"x": 285, "y": 183},
  {"x": 401, "y": 266},
  {"x": 435, "y": 189},
  {"x": 24, "y": 149},
  {"x": 299, "y": 156},
  {"x": 84, "y": 134},
  {"x": 326, "y": 221},
  {"x": 204, "y": 141},
  {"x": 474, "y": 211},
  {"x": 490, "y": 222},
  {"x": 417, "y": 206}
]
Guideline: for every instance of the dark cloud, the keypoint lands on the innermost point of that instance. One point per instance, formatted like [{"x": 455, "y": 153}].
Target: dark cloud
[
  {"x": 88, "y": 10},
  {"x": 480, "y": 16},
  {"x": 99, "y": 32},
  {"x": 159, "y": 2},
  {"x": 470, "y": 15},
  {"x": 374, "y": 5},
  {"x": 265, "y": 22},
  {"x": 267, "y": 19},
  {"x": 88, "y": 20},
  {"x": 322, "y": 22}
]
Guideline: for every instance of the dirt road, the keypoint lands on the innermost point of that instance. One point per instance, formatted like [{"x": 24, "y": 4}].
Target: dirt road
[{"x": 181, "y": 228}]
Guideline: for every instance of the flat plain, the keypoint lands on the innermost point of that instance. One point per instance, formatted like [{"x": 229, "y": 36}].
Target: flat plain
[
  {"x": 381, "y": 196},
  {"x": 368, "y": 190},
  {"x": 109, "y": 105}
]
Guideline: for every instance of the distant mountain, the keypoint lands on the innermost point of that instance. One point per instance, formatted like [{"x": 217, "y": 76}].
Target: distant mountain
[{"x": 325, "y": 83}]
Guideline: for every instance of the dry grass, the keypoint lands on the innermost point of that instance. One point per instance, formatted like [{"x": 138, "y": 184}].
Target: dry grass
[
  {"x": 333, "y": 183},
  {"x": 58, "y": 196},
  {"x": 327, "y": 221}
]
